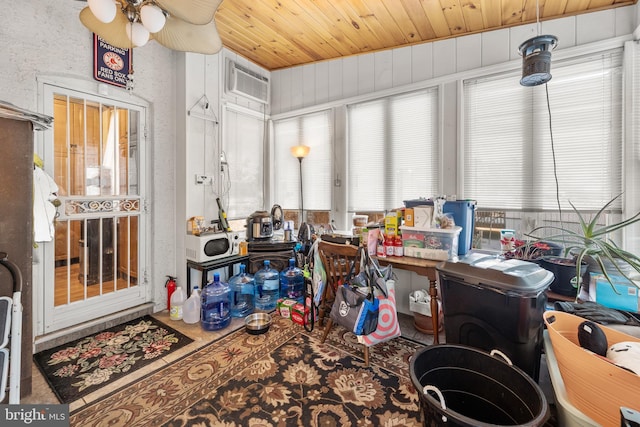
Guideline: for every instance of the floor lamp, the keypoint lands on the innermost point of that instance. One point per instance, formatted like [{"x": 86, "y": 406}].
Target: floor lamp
[{"x": 300, "y": 152}]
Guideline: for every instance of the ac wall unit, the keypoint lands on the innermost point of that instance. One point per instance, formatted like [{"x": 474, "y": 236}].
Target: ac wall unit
[{"x": 244, "y": 82}]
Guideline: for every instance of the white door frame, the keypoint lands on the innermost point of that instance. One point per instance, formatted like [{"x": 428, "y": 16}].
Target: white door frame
[{"x": 48, "y": 318}]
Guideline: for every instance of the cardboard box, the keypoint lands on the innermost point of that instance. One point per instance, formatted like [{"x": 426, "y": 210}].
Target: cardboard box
[
  {"x": 297, "y": 313},
  {"x": 408, "y": 217},
  {"x": 284, "y": 307},
  {"x": 412, "y": 239},
  {"x": 391, "y": 223},
  {"x": 422, "y": 216}
]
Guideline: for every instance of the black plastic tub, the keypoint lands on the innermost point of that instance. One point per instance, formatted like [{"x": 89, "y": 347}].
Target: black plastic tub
[{"x": 477, "y": 389}]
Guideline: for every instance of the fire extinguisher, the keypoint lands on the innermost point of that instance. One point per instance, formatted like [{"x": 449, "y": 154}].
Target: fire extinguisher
[{"x": 170, "y": 284}]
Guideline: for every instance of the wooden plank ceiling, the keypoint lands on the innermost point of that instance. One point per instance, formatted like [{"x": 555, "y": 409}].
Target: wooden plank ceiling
[{"x": 278, "y": 34}]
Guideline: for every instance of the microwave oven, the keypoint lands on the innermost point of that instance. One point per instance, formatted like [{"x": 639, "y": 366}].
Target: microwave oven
[{"x": 210, "y": 247}]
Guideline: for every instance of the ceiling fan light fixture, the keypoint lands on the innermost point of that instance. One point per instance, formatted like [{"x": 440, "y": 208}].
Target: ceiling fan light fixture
[
  {"x": 103, "y": 10},
  {"x": 182, "y": 25},
  {"x": 152, "y": 17},
  {"x": 137, "y": 33}
]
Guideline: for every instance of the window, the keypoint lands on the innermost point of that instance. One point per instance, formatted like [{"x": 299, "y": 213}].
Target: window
[
  {"x": 316, "y": 131},
  {"x": 242, "y": 147},
  {"x": 632, "y": 176},
  {"x": 393, "y": 150},
  {"x": 508, "y": 159}
]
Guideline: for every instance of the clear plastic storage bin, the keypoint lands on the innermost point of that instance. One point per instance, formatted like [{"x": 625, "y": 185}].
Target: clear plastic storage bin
[{"x": 430, "y": 243}]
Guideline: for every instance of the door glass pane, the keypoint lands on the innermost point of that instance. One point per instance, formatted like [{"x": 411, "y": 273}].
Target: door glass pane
[
  {"x": 122, "y": 154},
  {"x": 134, "y": 143},
  {"x": 96, "y": 242},
  {"x": 127, "y": 250},
  {"x": 61, "y": 147},
  {"x": 66, "y": 258}
]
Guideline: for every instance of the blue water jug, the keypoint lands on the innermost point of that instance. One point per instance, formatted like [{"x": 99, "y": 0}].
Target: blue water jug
[
  {"x": 292, "y": 282},
  {"x": 267, "y": 287},
  {"x": 242, "y": 293},
  {"x": 216, "y": 313}
]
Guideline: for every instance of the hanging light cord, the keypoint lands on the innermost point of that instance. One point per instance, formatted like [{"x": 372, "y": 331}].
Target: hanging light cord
[
  {"x": 301, "y": 199},
  {"x": 553, "y": 156},
  {"x": 538, "y": 16}
]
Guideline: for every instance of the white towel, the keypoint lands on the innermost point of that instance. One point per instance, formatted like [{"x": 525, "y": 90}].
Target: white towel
[{"x": 44, "y": 212}]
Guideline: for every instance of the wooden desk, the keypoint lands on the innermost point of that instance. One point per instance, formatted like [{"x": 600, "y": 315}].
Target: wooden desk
[{"x": 422, "y": 267}]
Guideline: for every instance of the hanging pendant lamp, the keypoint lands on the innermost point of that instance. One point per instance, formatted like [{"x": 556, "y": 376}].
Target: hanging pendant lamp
[{"x": 536, "y": 59}]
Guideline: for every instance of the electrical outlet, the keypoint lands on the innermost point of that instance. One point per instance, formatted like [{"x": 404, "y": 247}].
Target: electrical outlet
[{"x": 204, "y": 179}]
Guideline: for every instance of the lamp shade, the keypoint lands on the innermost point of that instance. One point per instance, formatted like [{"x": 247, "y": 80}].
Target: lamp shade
[
  {"x": 152, "y": 17},
  {"x": 103, "y": 10},
  {"x": 138, "y": 34},
  {"x": 300, "y": 151}
]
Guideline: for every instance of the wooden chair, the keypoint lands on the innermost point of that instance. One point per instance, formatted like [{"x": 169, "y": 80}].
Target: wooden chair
[{"x": 337, "y": 260}]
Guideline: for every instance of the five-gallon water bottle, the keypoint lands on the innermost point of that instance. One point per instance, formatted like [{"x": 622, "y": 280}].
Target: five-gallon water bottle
[
  {"x": 292, "y": 282},
  {"x": 192, "y": 306},
  {"x": 177, "y": 302},
  {"x": 242, "y": 293},
  {"x": 215, "y": 305},
  {"x": 267, "y": 287}
]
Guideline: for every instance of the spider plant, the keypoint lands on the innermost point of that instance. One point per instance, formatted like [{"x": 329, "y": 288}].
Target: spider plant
[{"x": 592, "y": 241}]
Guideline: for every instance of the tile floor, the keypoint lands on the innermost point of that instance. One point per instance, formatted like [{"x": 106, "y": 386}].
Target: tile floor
[{"x": 42, "y": 393}]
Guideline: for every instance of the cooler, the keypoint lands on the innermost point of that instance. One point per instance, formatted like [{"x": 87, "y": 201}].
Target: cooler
[
  {"x": 492, "y": 303},
  {"x": 463, "y": 212}
]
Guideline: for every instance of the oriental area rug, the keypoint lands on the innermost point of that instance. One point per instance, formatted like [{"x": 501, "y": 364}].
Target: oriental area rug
[
  {"x": 281, "y": 378},
  {"x": 78, "y": 368}
]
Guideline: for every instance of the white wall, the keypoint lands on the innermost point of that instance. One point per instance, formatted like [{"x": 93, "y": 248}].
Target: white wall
[{"x": 199, "y": 141}]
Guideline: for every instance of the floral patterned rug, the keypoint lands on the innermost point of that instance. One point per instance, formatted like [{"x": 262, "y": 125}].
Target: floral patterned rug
[
  {"x": 76, "y": 369},
  {"x": 284, "y": 377}
]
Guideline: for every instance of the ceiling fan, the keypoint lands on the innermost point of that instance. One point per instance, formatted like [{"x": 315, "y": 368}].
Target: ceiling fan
[{"x": 183, "y": 25}]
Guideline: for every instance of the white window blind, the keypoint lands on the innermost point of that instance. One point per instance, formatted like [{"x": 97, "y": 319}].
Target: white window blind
[
  {"x": 316, "y": 131},
  {"x": 243, "y": 147},
  {"x": 508, "y": 161},
  {"x": 393, "y": 150},
  {"x": 632, "y": 178}
]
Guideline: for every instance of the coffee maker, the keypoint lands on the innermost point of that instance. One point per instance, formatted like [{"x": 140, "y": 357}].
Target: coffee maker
[{"x": 261, "y": 242}]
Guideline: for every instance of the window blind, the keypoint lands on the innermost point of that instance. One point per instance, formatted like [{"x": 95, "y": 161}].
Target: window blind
[
  {"x": 632, "y": 178},
  {"x": 245, "y": 180},
  {"x": 393, "y": 150},
  {"x": 316, "y": 131},
  {"x": 508, "y": 159}
]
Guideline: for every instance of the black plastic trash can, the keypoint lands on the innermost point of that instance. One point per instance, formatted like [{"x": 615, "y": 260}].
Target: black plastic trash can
[
  {"x": 463, "y": 386},
  {"x": 492, "y": 303}
]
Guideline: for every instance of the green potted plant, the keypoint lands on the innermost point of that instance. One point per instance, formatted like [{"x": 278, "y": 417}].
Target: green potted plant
[
  {"x": 592, "y": 245},
  {"x": 532, "y": 251}
]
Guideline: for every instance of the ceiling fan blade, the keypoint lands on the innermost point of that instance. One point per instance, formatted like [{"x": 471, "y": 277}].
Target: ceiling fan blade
[
  {"x": 186, "y": 37},
  {"x": 114, "y": 33},
  {"x": 197, "y": 12}
]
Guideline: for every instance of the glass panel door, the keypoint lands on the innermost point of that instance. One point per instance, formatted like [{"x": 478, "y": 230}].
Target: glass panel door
[{"x": 97, "y": 247}]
